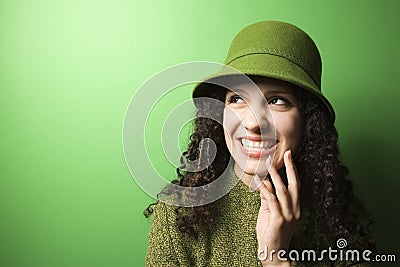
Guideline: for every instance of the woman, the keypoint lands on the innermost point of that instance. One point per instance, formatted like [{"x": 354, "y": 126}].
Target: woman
[{"x": 283, "y": 142}]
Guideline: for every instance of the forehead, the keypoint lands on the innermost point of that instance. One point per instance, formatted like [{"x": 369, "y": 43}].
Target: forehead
[{"x": 266, "y": 85}]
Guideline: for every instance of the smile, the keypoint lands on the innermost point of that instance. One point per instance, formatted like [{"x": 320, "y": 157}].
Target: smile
[
  {"x": 257, "y": 149},
  {"x": 257, "y": 146}
]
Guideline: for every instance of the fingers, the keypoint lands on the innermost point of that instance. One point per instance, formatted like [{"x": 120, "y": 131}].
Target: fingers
[
  {"x": 293, "y": 180},
  {"x": 284, "y": 200},
  {"x": 287, "y": 197},
  {"x": 257, "y": 180},
  {"x": 280, "y": 208},
  {"x": 269, "y": 185},
  {"x": 281, "y": 192},
  {"x": 271, "y": 203}
]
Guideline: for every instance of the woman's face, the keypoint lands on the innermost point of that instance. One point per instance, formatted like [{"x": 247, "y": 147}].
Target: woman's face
[{"x": 259, "y": 122}]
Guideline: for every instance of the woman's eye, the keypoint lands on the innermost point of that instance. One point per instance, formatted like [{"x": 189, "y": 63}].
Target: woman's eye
[
  {"x": 278, "y": 101},
  {"x": 235, "y": 99}
]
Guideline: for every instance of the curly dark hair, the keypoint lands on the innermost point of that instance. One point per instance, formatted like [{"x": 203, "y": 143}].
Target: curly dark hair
[
  {"x": 326, "y": 189},
  {"x": 326, "y": 192}
]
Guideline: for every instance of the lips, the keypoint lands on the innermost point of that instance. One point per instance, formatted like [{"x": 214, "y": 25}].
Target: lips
[{"x": 256, "y": 147}]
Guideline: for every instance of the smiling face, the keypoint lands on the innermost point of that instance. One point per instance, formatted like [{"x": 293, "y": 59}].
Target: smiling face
[{"x": 259, "y": 122}]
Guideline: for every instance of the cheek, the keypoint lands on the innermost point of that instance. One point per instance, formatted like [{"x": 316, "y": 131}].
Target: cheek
[
  {"x": 290, "y": 128},
  {"x": 228, "y": 125}
]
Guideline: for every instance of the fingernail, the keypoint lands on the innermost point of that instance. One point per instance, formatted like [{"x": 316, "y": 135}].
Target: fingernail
[{"x": 290, "y": 154}]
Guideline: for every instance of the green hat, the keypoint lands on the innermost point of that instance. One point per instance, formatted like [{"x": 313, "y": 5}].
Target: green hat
[{"x": 276, "y": 50}]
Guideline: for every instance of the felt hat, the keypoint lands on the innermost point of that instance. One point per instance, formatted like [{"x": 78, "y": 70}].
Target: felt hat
[{"x": 276, "y": 50}]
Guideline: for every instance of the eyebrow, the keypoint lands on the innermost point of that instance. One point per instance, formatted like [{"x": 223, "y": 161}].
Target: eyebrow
[
  {"x": 280, "y": 91},
  {"x": 271, "y": 91},
  {"x": 234, "y": 89},
  {"x": 237, "y": 90}
]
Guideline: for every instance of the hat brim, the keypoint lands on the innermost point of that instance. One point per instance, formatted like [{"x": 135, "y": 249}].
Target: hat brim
[{"x": 266, "y": 65}]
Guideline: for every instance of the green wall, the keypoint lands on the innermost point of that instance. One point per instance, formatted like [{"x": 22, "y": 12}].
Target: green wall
[{"x": 68, "y": 70}]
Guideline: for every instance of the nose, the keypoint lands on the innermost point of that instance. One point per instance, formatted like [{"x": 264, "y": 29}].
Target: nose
[{"x": 257, "y": 117}]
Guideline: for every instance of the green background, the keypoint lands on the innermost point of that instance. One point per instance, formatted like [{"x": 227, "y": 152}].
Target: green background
[{"x": 68, "y": 70}]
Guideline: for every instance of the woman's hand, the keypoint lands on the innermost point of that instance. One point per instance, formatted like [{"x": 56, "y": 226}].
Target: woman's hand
[{"x": 279, "y": 214}]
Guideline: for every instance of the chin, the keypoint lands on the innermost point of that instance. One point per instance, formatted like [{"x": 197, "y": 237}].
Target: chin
[{"x": 252, "y": 167}]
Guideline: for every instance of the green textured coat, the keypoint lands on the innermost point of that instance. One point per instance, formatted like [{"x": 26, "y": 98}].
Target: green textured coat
[{"x": 231, "y": 241}]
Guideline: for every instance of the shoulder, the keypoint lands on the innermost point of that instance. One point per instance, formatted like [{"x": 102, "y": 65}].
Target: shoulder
[
  {"x": 167, "y": 246},
  {"x": 163, "y": 213},
  {"x": 160, "y": 250}
]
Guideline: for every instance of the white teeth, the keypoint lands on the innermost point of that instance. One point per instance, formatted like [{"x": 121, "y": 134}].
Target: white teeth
[
  {"x": 255, "y": 145},
  {"x": 245, "y": 142}
]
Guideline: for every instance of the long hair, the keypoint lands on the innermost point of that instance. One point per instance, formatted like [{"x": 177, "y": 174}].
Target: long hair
[{"x": 326, "y": 191}]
